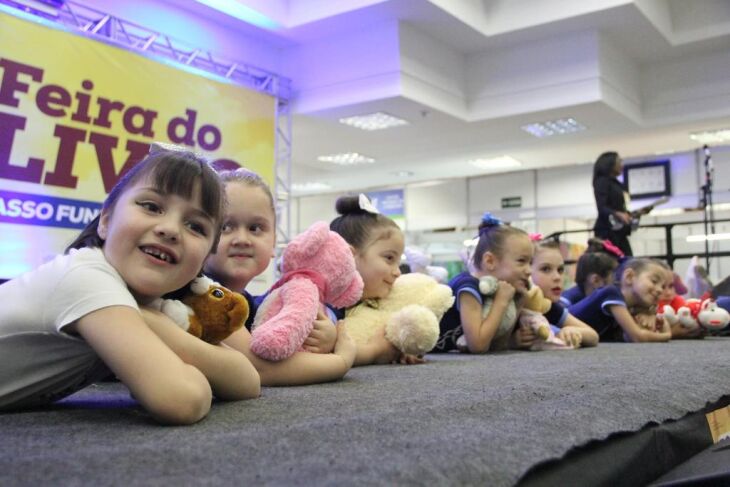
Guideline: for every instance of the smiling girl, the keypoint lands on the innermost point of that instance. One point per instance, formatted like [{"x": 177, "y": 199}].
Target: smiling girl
[
  {"x": 503, "y": 252},
  {"x": 611, "y": 309},
  {"x": 155, "y": 229}
]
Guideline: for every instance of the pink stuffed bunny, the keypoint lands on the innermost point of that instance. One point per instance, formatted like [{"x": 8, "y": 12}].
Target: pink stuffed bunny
[{"x": 318, "y": 268}]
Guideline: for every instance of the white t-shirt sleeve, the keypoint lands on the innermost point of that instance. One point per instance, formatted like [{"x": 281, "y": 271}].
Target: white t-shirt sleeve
[{"x": 87, "y": 287}]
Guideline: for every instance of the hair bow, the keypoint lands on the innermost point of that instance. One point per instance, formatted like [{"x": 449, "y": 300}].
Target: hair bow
[
  {"x": 160, "y": 146},
  {"x": 611, "y": 248},
  {"x": 490, "y": 220},
  {"x": 366, "y": 205},
  {"x": 535, "y": 237}
]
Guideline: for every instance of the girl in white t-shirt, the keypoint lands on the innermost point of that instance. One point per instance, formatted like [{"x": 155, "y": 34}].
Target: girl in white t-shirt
[{"x": 83, "y": 314}]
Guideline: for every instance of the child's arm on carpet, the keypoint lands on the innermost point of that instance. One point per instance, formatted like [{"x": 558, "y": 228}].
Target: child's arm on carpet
[
  {"x": 571, "y": 326},
  {"x": 230, "y": 374},
  {"x": 634, "y": 331},
  {"x": 171, "y": 390},
  {"x": 302, "y": 367}
]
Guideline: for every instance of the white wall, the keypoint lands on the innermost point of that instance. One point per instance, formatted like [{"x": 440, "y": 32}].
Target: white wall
[{"x": 553, "y": 199}]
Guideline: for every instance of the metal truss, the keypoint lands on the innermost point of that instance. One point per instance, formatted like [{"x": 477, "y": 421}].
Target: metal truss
[{"x": 108, "y": 28}]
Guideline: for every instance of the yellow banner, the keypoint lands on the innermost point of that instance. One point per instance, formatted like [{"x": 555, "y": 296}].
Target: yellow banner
[{"x": 75, "y": 113}]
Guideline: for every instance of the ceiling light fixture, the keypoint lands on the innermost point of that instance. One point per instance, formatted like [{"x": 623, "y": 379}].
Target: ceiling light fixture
[
  {"x": 560, "y": 126},
  {"x": 403, "y": 174},
  {"x": 241, "y": 12},
  {"x": 310, "y": 186},
  {"x": 347, "y": 159},
  {"x": 496, "y": 163},
  {"x": 710, "y": 237},
  {"x": 374, "y": 121},
  {"x": 718, "y": 136}
]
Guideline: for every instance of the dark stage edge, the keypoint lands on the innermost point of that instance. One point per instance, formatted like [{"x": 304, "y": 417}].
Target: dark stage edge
[{"x": 640, "y": 458}]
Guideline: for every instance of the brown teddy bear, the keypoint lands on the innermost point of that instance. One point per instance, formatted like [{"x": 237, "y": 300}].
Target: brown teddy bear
[{"x": 207, "y": 310}]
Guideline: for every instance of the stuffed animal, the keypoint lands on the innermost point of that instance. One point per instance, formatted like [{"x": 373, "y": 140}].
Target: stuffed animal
[
  {"x": 488, "y": 286},
  {"x": 410, "y": 314},
  {"x": 535, "y": 300},
  {"x": 545, "y": 334},
  {"x": 693, "y": 313},
  {"x": 318, "y": 267},
  {"x": 420, "y": 261},
  {"x": 208, "y": 310}
]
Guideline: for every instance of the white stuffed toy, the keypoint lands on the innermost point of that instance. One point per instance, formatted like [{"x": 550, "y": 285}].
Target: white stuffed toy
[
  {"x": 410, "y": 314},
  {"x": 488, "y": 286}
]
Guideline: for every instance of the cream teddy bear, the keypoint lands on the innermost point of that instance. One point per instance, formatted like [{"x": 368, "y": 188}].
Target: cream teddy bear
[{"x": 410, "y": 314}]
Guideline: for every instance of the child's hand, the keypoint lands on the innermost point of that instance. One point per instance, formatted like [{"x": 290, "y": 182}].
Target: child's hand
[
  {"x": 649, "y": 321},
  {"x": 345, "y": 346},
  {"x": 323, "y": 336},
  {"x": 407, "y": 359},
  {"x": 524, "y": 337},
  {"x": 505, "y": 292},
  {"x": 571, "y": 336}
]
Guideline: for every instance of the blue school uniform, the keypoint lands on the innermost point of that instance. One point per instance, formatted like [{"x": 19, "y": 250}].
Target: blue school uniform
[
  {"x": 450, "y": 326},
  {"x": 253, "y": 304},
  {"x": 594, "y": 310},
  {"x": 556, "y": 316},
  {"x": 572, "y": 296}
]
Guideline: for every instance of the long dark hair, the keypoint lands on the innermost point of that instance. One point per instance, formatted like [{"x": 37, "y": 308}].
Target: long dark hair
[
  {"x": 171, "y": 171},
  {"x": 605, "y": 165}
]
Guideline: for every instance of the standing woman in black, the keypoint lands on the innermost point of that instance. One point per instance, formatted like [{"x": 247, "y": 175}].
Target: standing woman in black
[{"x": 611, "y": 202}]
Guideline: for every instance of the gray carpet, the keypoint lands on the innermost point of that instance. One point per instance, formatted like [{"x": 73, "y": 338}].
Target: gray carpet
[{"x": 457, "y": 420}]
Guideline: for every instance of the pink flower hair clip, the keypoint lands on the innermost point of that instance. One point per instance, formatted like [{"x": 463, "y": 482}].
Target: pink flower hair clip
[
  {"x": 535, "y": 237},
  {"x": 612, "y": 249}
]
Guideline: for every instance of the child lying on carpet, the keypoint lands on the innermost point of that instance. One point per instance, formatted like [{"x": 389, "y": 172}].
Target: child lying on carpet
[
  {"x": 245, "y": 251},
  {"x": 547, "y": 274},
  {"x": 75, "y": 318},
  {"x": 594, "y": 270},
  {"x": 611, "y": 309},
  {"x": 377, "y": 244},
  {"x": 505, "y": 253}
]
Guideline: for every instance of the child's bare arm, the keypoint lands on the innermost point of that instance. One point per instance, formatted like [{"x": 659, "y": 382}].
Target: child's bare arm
[
  {"x": 171, "y": 390},
  {"x": 588, "y": 336},
  {"x": 378, "y": 350},
  {"x": 636, "y": 332},
  {"x": 231, "y": 375},
  {"x": 680, "y": 332},
  {"x": 302, "y": 367},
  {"x": 477, "y": 332}
]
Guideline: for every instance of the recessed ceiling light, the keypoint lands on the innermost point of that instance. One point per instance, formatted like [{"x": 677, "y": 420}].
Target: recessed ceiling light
[
  {"x": 347, "y": 159},
  {"x": 310, "y": 186},
  {"x": 374, "y": 121},
  {"x": 718, "y": 136},
  {"x": 560, "y": 126},
  {"x": 403, "y": 174},
  {"x": 502, "y": 162}
]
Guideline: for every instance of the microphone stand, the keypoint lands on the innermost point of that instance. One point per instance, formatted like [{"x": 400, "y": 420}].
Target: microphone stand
[{"x": 706, "y": 201}]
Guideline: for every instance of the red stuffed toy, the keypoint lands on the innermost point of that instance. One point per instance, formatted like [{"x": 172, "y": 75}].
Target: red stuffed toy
[{"x": 692, "y": 313}]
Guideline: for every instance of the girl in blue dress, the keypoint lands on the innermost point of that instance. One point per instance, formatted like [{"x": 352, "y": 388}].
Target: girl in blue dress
[{"x": 611, "y": 309}]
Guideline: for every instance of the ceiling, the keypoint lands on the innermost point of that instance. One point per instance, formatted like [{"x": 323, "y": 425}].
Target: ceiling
[{"x": 467, "y": 74}]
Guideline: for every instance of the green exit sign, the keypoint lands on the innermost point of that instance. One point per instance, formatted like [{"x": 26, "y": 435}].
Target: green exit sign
[{"x": 512, "y": 202}]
